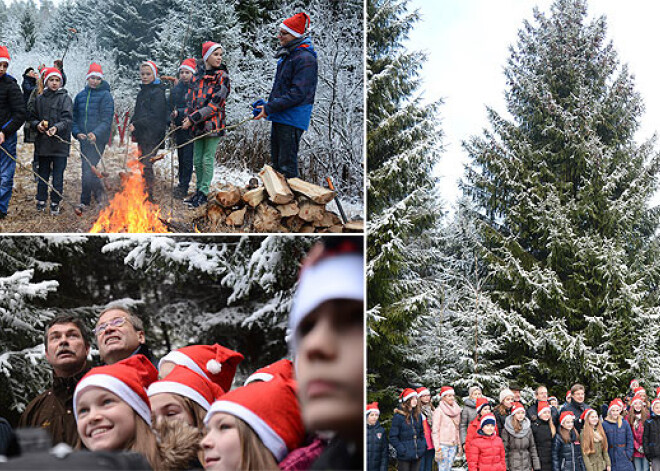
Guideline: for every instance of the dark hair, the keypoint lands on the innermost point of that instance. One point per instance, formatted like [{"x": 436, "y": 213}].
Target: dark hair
[
  {"x": 68, "y": 319},
  {"x": 28, "y": 70}
]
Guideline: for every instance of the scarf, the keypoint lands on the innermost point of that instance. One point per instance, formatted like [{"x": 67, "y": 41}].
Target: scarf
[{"x": 284, "y": 51}]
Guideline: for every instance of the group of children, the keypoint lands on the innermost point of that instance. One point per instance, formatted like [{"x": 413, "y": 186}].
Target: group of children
[{"x": 508, "y": 436}]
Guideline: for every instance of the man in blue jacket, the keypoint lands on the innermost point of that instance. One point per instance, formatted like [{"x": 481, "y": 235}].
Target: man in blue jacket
[
  {"x": 12, "y": 117},
  {"x": 291, "y": 100}
]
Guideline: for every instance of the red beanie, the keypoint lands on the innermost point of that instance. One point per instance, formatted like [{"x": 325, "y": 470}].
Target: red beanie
[
  {"x": 271, "y": 409},
  {"x": 128, "y": 379},
  {"x": 281, "y": 367},
  {"x": 373, "y": 407},
  {"x": 49, "y": 72},
  {"x": 208, "y": 47},
  {"x": 297, "y": 25},
  {"x": 189, "y": 64},
  {"x": 407, "y": 393},
  {"x": 516, "y": 407},
  {"x": 95, "y": 70},
  {"x": 152, "y": 66},
  {"x": 4, "y": 55},
  {"x": 564, "y": 415},
  {"x": 214, "y": 362},
  {"x": 185, "y": 382}
]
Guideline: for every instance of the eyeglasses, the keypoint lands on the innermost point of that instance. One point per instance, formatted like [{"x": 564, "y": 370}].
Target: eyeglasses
[
  {"x": 116, "y": 322},
  {"x": 283, "y": 33}
]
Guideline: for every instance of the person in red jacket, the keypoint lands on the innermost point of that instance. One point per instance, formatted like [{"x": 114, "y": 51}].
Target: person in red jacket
[
  {"x": 486, "y": 450},
  {"x": 483, "y": 407}
]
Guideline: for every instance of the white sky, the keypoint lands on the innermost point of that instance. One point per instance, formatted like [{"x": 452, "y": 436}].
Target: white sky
[{"x": 467, "y": 45}]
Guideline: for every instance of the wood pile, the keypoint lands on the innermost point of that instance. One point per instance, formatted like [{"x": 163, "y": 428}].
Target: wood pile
[{"x": 277, "y": 205}]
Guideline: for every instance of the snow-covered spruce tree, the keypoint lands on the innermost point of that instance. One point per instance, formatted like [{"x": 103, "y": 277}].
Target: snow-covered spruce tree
[
  {"x": 402, "y": 148},
  {"x": 29, "y": 25},
  {"x": 564, "y": 191}
]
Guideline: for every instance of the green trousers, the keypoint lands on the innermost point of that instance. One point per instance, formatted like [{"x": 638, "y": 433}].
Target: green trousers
[{"x": 204, "y": 162}]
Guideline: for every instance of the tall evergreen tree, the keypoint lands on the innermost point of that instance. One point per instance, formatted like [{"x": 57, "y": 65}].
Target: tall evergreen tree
[
  {"x": 564, "y": 191},
  {"x": 402, "y": 148},
  {"x": 28, "y": 25}
]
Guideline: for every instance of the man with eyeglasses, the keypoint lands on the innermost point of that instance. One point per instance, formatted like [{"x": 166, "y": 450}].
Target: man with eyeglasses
[
  {"x": 67, "y": 344},
  {"x": 120, "y": 334},
  {"x": 291, "y": 99}
]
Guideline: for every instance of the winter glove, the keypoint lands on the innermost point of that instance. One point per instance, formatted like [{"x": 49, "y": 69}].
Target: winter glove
[{"x": 255, "y": 110}]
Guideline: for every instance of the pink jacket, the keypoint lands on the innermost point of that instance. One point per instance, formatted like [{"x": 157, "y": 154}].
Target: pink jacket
[{"x": 445, "y": 425}]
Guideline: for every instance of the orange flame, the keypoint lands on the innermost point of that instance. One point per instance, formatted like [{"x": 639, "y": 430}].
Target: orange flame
[{"x": 129, "y": 210}]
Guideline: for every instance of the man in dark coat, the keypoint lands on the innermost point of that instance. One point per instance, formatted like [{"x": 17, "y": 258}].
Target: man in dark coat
[
  {"x": 577, "y": 405},
  {"x": 120, "y": 334},
  {"x": 12, "y": 117},
  {"x": 291, "y": 100},
  {"x": 541, "y": 394},
  {"x": 67, "y": 345}
]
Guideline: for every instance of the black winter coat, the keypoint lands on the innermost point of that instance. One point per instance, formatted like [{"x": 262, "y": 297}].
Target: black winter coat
[
  {"x": 151, "y": 114},
  {"x": 567, "y": 456},
  {"x": 407, "y": 438},
  {"x": 577, "y": 409},
  {"x": 56, "y": 108},
  {"x": 12, "y": 106},
  {"x": 29, "y": 84},
  {"x": 377, "y": 448},
  {"x": 543, "y": 441},
  {"x": 532, "y": 412},
  {"x": 651, "y": 437}
]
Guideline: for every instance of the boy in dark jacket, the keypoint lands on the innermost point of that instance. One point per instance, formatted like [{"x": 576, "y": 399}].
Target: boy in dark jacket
[
  {"x": 29, "y": 83},
  {"x": 377, "y": 445},
  {"x": 178, "y": 101},
  {"x": 149, "y": 121},
  {"x": 93, "y": 110},
  {"x": 52, "y": 117},
  {"x": 12, "y": 117},
  {"x": 291, "y": 100}
]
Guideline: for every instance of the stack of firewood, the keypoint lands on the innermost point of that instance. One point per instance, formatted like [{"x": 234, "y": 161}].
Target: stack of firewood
[{"x": 278, "y": 205}]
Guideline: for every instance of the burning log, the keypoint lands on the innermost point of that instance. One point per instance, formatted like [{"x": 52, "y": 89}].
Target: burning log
[
  {"x": 316, "y": 193},
  {"x": 276, "y": 186}
]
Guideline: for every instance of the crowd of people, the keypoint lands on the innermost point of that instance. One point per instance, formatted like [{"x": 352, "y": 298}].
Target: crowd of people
[
  {"x": 182, "y": 412},
  {"x": 196, "y": 106},
  {"x": 502, "y": 435}
]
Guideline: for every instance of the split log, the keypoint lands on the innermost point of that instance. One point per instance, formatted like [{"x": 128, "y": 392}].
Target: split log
[
  {"x": 276, "y": 186},
  {"x": 215, "y": 214},
  {"x": 237, "y": 218},
  {"x": 229, "y": 196},
  {"x": 310, "y": 211},
  {"x": 354, "y": 226},
  {"x": 316, "y": 193},
  {"x": 289, "y": 209},
  {"x": 293, "y": 223},
  {"x": 328, "y": 219},
  {"x": 254, "y": 197},
  {"x": 267, "y": 219}
]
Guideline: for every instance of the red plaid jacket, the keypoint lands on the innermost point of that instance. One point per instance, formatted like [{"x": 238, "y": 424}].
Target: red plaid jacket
[{"x": 206, "y": 102}]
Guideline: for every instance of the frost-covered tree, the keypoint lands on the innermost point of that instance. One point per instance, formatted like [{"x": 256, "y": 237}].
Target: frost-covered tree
[
  {"x": 402, "y": 148},
  {"x": 563, "y": 190},
  {"x": 29, "y": 24}
]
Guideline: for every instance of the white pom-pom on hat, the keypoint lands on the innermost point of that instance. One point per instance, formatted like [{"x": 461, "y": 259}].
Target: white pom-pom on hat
[{"x": 214, "y": 366}]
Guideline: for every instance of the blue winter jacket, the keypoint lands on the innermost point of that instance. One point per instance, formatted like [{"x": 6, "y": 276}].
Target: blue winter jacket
[
  {"x": 292, "y": 98},
  {"x": 93, "y": 110},
  {"x": 377, "y": 448},
  {"x": 620, "y": 444},
  {"x": 567, "y": 456},
  {"x": 407, "y": 438}
]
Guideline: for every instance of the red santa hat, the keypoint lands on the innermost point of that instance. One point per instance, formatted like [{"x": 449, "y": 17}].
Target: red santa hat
[
  {"x": 373, "y": 407},
  {"x": 4, "y": 55},
  {"x": 657, "y": 391},
  {"x": 585, "y": 414},
  {"x": 423, "y": 391},
  {"x": 480, "y": 403},
  {"x": 636, "y": 398},
  {"x": 638, "y": 390},
  {"x": 152, "y": 66},
  {"x": 208, "y": 47},
  {"x": 49, "y": 72},
  {"x": 189, "y": 64},
  {"x": 565, "y": 415},
  {"x": 297, "y": 25},
  {"x": 446, "y": 390},
  {"x": 214, "y": 362},
  {"x": 486, "y": 420},
  {"x": 406, "y": 394},
  {"x": 271, "y": 409},
  {"x": 185, "y": 382},
  {"x": 128, "y": 379},
  {"x": 281, "y": 367},
  {"x": 542, "y": 406},
  {"x": 633, "y": 381},
  {"x": 337, "y": 273},
  {"x": 568, "y": 394},
  {"x": 516, "y": 407},
  {"x": 95, "y": 70},
  {"x": 616, "y": 403}
]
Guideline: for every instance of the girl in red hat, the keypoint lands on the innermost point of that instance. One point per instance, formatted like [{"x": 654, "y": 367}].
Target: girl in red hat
[
  {"x": 205, "y": 116},
  {"x": 543, "y": 428},
  {"x": 407, "y": 431},
  {"x": 486, "y": 450},
  {"x": 518, "y": 439},
  {"x": 619, "y": 437},
  {"x": 594, "y": 442},
  {"x": 566, "y": 449},
  {"x": 638, "y": 414},
  {"x": 446, "y": 419}
]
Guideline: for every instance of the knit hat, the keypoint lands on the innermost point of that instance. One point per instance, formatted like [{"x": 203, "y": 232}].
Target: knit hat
[
  {"x": 152, "y": 66},
  {"x": 505, "y": 393},
  {"x": 373, "y": 407},
  {"x": 95, "y": 70},
  {"x": 49, "y": 72},
  {"x": 446, "y": 390},
  {"x": 423, "y": 391},
  {"x": 337, "y": 274},
  {"x": 189, "y": 64},
  {"x": 585, "y": 414},
  {"x": 516, "y": 407},
  {"x": 636, "y": 398},
  {"x": 472, "y": 389},
  {"x": 271, "y": 409},
  {"x": 281, "y": 367},
  {"x": 4, "y": 55},
  {"x": 208, "y": 47},
  {"x": 407, "y": 394},
  {"x": 297, "y": 25},
  {"x": 542, "y": 406},
  {"x": 480, "y": 403},
  {"x": 185, "y": 382},
  {"x": 616, "y": 402},
  {"x": 487, "y": 419},
  {"x": 214, "y": 362},
  {"x": 564, "y": 415},
  {"x": 128, "y": 379}
]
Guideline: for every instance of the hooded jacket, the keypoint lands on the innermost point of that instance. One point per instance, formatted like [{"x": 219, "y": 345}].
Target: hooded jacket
[
  {"x": 486, "y": 453},
  {"x": 620, "y": 444},
  {"x": 93, "y": 110},
  {"x": 377, "y": 448},
  {"x": 519, "y": 447},
  {"x": 407, "y": 438},
  {"x": 151, "y": 114},
  {"x": 468, "y": 414},
  {"x": 55, "y": 107},
  {"x": 12, "y": 106},
  {"x": 206, "y": 100}
]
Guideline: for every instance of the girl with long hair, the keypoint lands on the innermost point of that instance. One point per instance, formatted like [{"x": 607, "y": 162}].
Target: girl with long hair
[
  {"x": 407, "y": 432},
  {"x": 594, "y": 443},
  {"x": 519, "y": 442},
  {"x": 543, "y": 429},
  {"x": 637, "y": 416},
  {"x": 566, "y": 449},
  {"x": 619, "y": 437},
  {"x": 446, "y": 419},
  {"x": 503, "y": 409}
]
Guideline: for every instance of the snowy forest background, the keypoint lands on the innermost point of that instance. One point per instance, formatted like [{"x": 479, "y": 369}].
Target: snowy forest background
[
  {"x": 120, "y": 34},
  {"x": 235, "y": 291},
  {"x": 548, "y": 270}
]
